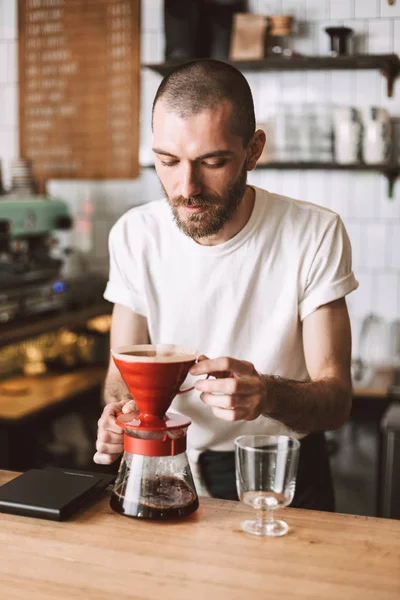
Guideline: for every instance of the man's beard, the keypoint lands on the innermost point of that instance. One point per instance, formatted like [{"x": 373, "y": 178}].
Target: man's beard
[{"x": 220, "y": 209}]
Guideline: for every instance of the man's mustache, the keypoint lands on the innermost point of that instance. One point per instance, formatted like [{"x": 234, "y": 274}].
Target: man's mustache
[{"x": 201, "y": 201}]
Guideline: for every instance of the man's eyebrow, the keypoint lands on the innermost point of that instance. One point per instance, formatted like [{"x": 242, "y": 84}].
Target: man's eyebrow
[
  {"x": 159, "y": 151},
  {"x": 215, "y": 154}
]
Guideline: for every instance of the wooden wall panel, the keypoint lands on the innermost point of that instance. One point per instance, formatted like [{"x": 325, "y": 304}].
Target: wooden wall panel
[{"x": 79, "y": 73}]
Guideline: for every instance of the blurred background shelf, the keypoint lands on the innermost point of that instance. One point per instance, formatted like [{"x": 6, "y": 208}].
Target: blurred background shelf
[
  {"x": 390, "y": 171},
  {"x": 32, "y": 326},
  {"x": 388, "y": 64}
]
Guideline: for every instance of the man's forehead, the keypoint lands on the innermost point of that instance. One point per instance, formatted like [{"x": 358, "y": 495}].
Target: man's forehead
[
  {"x": 220, "y": 113},
  {"x": 194, "y": 135}
]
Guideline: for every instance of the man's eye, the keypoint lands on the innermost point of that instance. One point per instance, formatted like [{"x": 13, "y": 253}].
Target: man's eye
[
  {"x": 170, "y": 163},
  {"x": 215, "y": 165}
]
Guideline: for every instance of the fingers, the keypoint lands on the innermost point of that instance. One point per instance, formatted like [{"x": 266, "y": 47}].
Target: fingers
[
  {"x": 223, "y": 365},
  {"x": 221, "y": 400},
  {"x": 110, "y": 437},
  {"x": 104, "y": 448},
  {"x": 236, "y": 414},
  {"x": 129, "y": 407},
  {"x": 229, "y": 385},
  {"x": 107, "y": 419},
  {"x": 233, "y": 408},
  {"x": 202, "y": 357},
  {"x": 105, "y": 459}
]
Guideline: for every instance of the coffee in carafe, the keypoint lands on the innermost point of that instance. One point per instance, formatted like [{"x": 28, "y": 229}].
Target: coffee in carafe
[
  {"x": 155, "y": 496},
  {"x": 154, "y": 479}
]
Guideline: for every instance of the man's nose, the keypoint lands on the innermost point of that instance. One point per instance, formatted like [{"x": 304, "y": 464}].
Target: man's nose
[{"x": 190, "y": 184}]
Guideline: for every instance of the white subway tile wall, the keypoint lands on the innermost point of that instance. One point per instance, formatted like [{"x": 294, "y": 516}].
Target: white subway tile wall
[
  {"x": 341, "y": 9},
  {"x": 386, "y": 295},
  {"x": 152, "y": 15},
  {"x": 396, "y": 35},
  {"x": 358, "y": 40},
  {"x": 389, "y": 10},
  {"x": 354, "y": 230},
  {"x": 372, "y": 220},
  {"x": 152, "y": 47},
  {"x": 366, "y": 9},
  {"x": 380, "y": 36},
  {"x": 306, "y": 39},
  {"x": 8, "y": 19},
  {"x": 363, "y": 204},
  {"x": 374, "y": 244},
  {"x": 323, "y": 39},
  {"x": 294, "y": 8},
  {"x": 12, "y": 61},
  {"x": 394, "y": 251},
  {"x": 368, "y": 88},
  {"x": 9, "y": 102},
  {"x": 361, "y": 302},
  {"x": 318, "y": 86},
  {"x": 3, "y": 62},
  {"x": 267, "y": 7},
  {"x": 317, "y": 9}
]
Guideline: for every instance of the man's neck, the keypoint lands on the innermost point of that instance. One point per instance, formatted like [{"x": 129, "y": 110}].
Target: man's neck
[{"x": 235, "y": 224}]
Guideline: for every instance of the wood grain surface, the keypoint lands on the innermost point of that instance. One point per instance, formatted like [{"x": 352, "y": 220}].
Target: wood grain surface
[
  {"x": 79, "y": 75},
  {"x": 100, "y": 555}
]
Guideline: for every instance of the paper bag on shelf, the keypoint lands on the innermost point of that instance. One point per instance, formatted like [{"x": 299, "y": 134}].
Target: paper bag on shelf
[{"x": 248, "y": 36}]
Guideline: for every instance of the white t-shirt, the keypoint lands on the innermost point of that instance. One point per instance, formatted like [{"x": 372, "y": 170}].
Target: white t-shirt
[{"x": 245, "y": 298}]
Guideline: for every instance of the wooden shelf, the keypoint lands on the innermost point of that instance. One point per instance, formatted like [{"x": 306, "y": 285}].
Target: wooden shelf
[
  {"x": 391, "y": 171},
  {"x": 388, "y": 64},
  {"x": 18, "y": 331}
]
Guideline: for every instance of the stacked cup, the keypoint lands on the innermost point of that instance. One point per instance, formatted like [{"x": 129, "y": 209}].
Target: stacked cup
[
  {"x": 22, "y": 181},
  {"x": 377, "y": 136},
  {"x": 347, "y": 133}
]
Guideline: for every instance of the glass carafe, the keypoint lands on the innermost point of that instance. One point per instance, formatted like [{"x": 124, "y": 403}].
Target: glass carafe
[{"x": 155, "y": 487}]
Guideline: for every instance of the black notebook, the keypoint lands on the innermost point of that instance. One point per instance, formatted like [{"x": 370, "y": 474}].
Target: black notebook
[{"x": 51, "y": 493}]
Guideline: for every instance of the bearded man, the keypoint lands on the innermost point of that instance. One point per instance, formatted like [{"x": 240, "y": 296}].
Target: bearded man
[{"x": 255, "y": 280}]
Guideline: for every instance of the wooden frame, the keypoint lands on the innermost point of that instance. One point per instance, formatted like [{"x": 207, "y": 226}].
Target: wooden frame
[{"x": 79, "y": 73}]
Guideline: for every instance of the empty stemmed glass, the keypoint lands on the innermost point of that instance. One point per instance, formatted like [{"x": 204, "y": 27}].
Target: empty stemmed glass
[{"x": 266, "y": 469}]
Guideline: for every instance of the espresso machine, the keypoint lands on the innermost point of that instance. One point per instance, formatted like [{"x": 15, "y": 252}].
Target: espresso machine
[
  {"x": 154, "y": 479},
  {"x": 31, "y": 280}
]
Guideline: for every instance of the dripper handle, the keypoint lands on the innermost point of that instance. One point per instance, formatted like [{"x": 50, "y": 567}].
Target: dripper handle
[{"x": 189, "y": 389}]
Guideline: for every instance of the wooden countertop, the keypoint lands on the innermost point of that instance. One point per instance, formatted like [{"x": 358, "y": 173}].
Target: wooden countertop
[
  {"x": 100, "y": 555},
  {"x": 23, "y": 396},
  {"x": 378, "y": 387}
]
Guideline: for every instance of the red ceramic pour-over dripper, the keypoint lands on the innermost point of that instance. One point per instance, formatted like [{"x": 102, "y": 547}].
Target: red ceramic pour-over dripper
[{"x": 153, "y": 374}]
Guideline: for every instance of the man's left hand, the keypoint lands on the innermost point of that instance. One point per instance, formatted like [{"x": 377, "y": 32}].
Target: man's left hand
[{"x": 237, "y": 393}]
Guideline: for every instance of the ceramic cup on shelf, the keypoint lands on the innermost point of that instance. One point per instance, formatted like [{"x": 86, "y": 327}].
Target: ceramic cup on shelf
[
  {"x": 347, "y": 132},
  {"x": 377, "y": 136}
]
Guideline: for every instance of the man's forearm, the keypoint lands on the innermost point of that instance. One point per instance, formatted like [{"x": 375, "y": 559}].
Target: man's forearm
[{"x": 307, "y": 406}]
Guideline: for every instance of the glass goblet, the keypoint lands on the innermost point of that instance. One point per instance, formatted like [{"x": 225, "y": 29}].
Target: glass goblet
[{"x": 266, "y": 469}]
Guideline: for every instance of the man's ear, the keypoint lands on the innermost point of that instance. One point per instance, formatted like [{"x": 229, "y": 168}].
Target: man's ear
[{"x": 255, "y": 148}]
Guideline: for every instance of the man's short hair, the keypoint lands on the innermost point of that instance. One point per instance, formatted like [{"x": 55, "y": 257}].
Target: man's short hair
[{"x": 201, "y": 84}]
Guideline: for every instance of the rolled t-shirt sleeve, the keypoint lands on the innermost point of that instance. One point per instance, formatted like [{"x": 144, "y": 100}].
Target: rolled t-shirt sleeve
[
  {"x": 123, "y": 285},
  {"x": 330, "y": 275}
]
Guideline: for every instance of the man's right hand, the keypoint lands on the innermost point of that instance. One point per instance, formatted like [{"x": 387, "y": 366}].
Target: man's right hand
[{"x": 110, "y": 437}]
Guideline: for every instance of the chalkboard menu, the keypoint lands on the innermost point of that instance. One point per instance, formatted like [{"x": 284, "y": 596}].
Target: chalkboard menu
[{"x": 79, "y": 88}]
